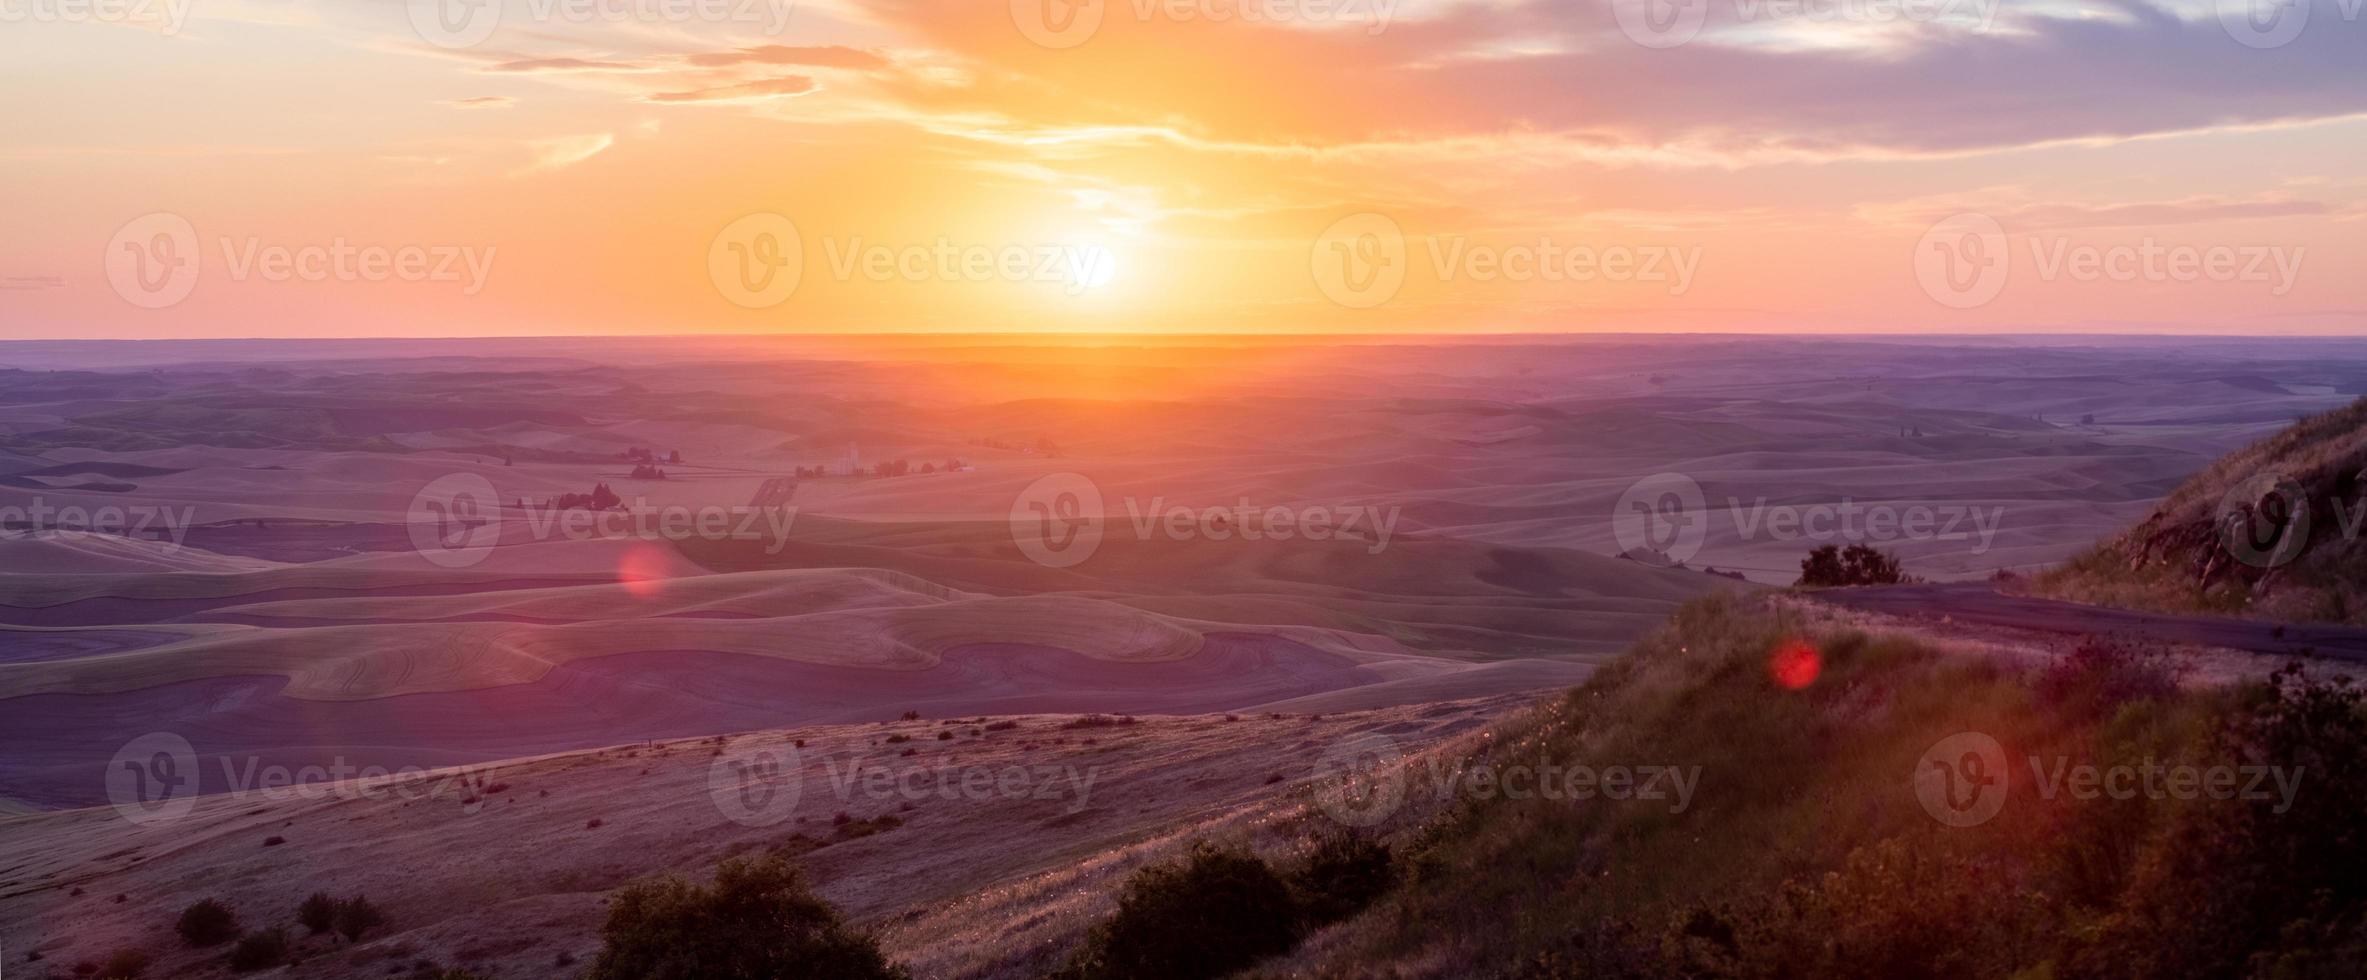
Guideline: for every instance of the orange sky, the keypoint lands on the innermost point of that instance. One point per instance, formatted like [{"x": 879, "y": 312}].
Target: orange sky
[{"x": 190, "y": 168}]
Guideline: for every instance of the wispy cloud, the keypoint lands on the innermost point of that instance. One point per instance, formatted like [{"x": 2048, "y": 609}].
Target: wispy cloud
[
  {"x": 768, "y": 88},
  {"x": 565, "y": 151}
]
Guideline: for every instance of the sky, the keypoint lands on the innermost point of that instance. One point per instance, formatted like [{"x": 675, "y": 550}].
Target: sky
[{"x": 272, "y": 168}]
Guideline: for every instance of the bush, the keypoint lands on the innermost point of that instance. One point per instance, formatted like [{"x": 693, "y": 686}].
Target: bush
[
  {"x": 1345, "y": 873},
  {"x": 318, "y": 914},
  {"x": 123, "y": 964},
  {"x": 1833, "y": 566},
  {"x": 207, "y": 923},
  {"x": 260, "y": 950},
  {"x": 356, "y": 916},
  {"x": 758, "y": 920},
  {"x": 2100, "y": 675},
  {"x": 1211, "y": 914}
]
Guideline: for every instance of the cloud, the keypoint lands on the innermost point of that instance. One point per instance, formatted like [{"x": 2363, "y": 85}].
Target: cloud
[
  {"x": 768, "y": 88},
  {"x": 561, "y": 65},
  {"x": 830, "y": 56},
  {"x": 565, "y": 151},
  {"x": 1745, "y": 86},
  {"x": 482, "y": 102}
]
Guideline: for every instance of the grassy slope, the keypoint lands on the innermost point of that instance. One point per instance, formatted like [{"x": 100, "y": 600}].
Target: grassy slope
[
  {"x": 1806, "y": 852},
  {"x": 2176, "y": 561}
]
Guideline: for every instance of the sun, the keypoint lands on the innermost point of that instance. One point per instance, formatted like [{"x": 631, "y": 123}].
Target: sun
[{"x": 1093, "y": 267}]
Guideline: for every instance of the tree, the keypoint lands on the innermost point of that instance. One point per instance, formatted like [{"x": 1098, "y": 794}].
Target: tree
[
  {"x": 1210, "y": 915},
  {"x": 1832, "y": 566},
  {"x": 356, "y": 916},
  {"x": 759, "y": 919},
  {"x": 207, "y": 923},
  {"x": 318, "y": 914}
]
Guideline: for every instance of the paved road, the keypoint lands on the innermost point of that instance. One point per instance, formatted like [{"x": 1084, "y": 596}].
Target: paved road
[{"x": 1978, "y": 603}]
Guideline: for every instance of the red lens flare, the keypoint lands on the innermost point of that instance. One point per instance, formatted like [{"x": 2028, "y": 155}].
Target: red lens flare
[
  {"x": 1795, "y": 665},
  {"x": 643, "y": 571}
]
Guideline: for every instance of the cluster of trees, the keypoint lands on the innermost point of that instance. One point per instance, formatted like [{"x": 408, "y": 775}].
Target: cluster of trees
[
  {"x": 1832, "y": 566},
  {"x": 1041, "y": 447},
  {"x": 901, "y": 467},
  {"x": 601, "y": 498},
  {"x": 648, "y": 471}
]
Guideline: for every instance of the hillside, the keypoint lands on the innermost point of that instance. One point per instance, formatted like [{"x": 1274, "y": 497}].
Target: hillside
[
  {"x": 1818, "y": 831},
  {"x": 2268, "y": 531}
]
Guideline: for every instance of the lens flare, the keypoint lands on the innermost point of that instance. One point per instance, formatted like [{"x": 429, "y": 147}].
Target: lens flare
[{"x": 1795, "y": 665}]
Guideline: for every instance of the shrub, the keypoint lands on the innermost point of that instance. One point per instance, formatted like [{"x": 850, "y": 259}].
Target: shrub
[
  {"x": 1098, "y": 721},
  {"x": 318, "y": 914},
  {"x": 758, "y": 920},
  {"x": 430, "y": 971},
  {"x": 260, "y": 950},
  {"x": 1344, "y": 873},
  {"x": 1832, "y": 566},
  {"x": 123, "y": 964},
  {"x": 2100, "y": 675},
  {"x": 356, "y": 916},
  {"x": 1214, "y": 912},
  {"x": 207, "y": 923}
]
